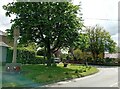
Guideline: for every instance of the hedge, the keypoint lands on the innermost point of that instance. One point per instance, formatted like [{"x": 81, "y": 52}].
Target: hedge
[
  {"x": 24, "y": 56},
  {"x": 40, "y": 60}
]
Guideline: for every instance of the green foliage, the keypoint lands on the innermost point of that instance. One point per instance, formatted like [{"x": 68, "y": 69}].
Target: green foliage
[
  {"x": 25, "y": 56},
  {"x": 54, "y": 64},
  {"x": 49, "y": 24},
  {"x": 45, "y": 75},
  {"x": 41, "y": 52},
  {"x": 99, "y": 61},
  {"x": 90, "y": 60},
  {"x": 9, "y": 55},
  {"x": 31, "y": 46},
  {"x": 77, "y": 54},
  {"x": 99, "y": 41},
  {"x": 76, "y": 71},
  {"x": 63, "y": 56},
  {"x": 40, "y": 60},
  {"x": 83, "y": 42},
  {"x": 110, "y": 60}
]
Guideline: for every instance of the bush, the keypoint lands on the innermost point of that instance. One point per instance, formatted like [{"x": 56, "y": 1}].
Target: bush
[
  {"x": 78, "y": 54},
  {"x": 41, "y": 52},
  {"x": 24, "y": 56},
  {"x": 76, "y": 71},
  {"x": 54, "y": 64},
  {"x": 99, "y": 61},
  {"x": 9, "y": 55},
  {"x": 63, "y": 57},
  {"x": 108, "y": 60},
  {"x": 40, "y": 60},
  {"x": 89, "y": 60}
]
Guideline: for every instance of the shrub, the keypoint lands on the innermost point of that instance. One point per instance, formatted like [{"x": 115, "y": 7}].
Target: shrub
[
  {"x": 41, "y": 52},
  {"x": 76, "y": 71},
  {"x": 25, "y": 56},
  {"x": 9, "y": 55},
  {"x": 50, "y": 76},
  {"x": 40, "y": 60},
  {"x": 63, "y": 56},
  {"x": 66, "y": 73},
  {"x": 54, "y": 64},
  {"x": 89, "y": 60},
  {"x": 77, "y": 53},
  {"x": 99, "y": 61},
  {"x": 80, "y": 70},
  {"x": 108, "y": 60},
  {"x": 84, "y": 70}
]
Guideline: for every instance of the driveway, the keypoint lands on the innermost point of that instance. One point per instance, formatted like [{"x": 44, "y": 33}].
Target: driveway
[{"x": 106, "y": 77}]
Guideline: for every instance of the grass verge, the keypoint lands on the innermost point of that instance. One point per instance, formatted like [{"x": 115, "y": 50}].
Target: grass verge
[{"x": 46, "y": 75}]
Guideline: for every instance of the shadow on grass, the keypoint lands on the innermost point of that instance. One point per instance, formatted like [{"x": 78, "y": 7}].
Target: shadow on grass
[{"x": 46, "y": 75}]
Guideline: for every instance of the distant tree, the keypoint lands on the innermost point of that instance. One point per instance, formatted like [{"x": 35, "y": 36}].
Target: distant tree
[
  {"x": 77, "y": 53},
  {"x": 50, "y": 24},
  {"x": 99, "y": 41},
  {"x": 81, "y": 43}
]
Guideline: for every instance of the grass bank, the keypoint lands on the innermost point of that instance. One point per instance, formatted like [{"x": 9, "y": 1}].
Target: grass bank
[{"x": 46, "y": 75}]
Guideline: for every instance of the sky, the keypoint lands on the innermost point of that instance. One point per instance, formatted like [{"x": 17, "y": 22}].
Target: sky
[{"x": 101, "y": 12}]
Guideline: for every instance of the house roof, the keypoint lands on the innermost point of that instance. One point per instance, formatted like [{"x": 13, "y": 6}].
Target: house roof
[
  {"x": 3, "y": 44},
  {"x": 112, "y": 55}
]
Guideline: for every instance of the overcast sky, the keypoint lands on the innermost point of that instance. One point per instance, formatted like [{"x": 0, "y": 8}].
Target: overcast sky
[{"x": 102, "y": 12}]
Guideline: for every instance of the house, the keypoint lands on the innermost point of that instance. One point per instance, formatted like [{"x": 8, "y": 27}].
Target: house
[
  {"x": 4, "y": 44},
  {"x": 3, "y": 47},
  {"x": 112, "y": 55},
  {"x": 3, "y": 38}
]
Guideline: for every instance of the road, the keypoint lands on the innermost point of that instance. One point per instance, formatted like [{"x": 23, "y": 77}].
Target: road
[{"x": 106, "y": 77}]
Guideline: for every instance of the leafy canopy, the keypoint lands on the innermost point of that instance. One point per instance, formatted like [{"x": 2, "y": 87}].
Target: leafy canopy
[
  {"x": 49, "y": 24},
  {"x": 99, "y": 40}
]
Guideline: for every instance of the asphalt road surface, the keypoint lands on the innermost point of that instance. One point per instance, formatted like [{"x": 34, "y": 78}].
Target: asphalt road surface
[{"x": 106, "y": 77}]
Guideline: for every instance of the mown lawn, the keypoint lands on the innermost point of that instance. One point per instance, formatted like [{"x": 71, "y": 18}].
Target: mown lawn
[{"x": 46, "y": 75}]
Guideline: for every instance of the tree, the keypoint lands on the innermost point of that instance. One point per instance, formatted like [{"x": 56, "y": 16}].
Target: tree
[
  {"x": 99, "y": 41},
  {"x": 50, "y": 24},
  {"x": 83, "y": 44}
]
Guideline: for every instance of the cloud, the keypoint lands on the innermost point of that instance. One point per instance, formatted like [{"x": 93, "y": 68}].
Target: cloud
[
  {"x": 115, "y": 38},
  {"x": 102, "y": 12},
  {"x": 4, "y": 21}
]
